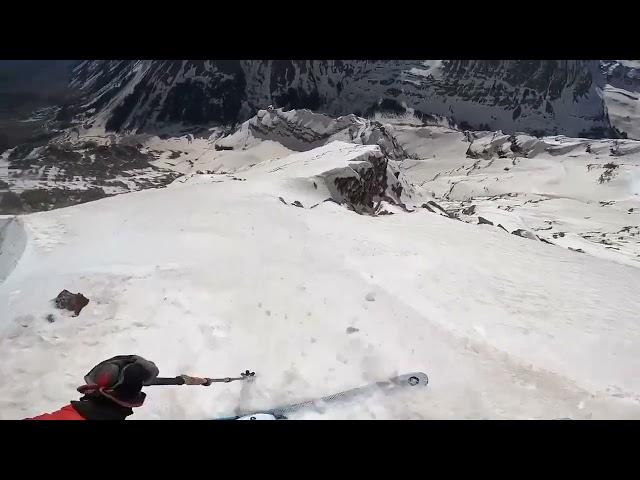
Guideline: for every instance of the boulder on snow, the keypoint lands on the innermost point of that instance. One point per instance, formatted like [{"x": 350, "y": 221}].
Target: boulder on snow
[
  {"x": 74, "y": 302},
  {"x": 222, "y": 147},
  {"x": 484, "y": 221},
  {"x": 469, "y": 210},
  {"x": 525, "y": 234},
  {"x": 297, "y": 204}
]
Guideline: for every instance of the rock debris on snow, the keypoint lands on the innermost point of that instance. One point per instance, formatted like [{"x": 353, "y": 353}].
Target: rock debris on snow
[{"x": 484, "y": 221}]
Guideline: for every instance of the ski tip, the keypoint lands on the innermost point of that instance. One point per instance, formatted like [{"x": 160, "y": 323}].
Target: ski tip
[
  {"x": 258, "y": 416},
  {"x": 414, "y": 379}
]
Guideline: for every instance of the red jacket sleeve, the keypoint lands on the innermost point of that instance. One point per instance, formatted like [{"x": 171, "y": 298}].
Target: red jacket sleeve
[{"x": 65, "y": 413}]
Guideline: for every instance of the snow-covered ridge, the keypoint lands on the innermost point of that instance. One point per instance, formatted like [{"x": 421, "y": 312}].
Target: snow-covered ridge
[
  {"x": 301, "y": 130},
  {"x": 359, "y": 176}
]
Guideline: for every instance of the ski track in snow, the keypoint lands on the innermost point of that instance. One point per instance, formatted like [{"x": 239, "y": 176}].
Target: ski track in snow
[{"x": 213, "y": 276}]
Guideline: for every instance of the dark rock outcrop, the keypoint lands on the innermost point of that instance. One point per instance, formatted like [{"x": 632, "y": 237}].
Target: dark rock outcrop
[
  {"x": 469, "y": 210},
  {"x": 74, "y": 302},
  {"x": 433, "y": 207},
  {"x": 374, "y": 181},
  {"x": 610, "y": 171},
  {"x": 520, "y": 232}
]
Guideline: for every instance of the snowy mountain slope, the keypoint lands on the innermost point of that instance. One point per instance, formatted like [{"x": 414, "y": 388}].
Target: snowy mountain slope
[
  {"x": 573, "y": 192},
  {"x": 576, "y": 193},
  {"x": 544, "y": 96},
  {"x": 214, "y": 275},
  {"x": 182, "y": 99}
]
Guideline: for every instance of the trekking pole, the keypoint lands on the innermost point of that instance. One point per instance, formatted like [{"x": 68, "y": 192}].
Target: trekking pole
[{"x": 204, "y": 381}]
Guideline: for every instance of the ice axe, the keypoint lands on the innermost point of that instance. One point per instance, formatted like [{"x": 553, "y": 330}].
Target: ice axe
[{"x": 204, "y": 381}]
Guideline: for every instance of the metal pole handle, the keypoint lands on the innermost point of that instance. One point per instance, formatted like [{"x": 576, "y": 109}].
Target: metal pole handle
[{"x": 204, "y": 381}]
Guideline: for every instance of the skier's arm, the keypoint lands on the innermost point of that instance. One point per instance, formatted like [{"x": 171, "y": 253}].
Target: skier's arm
[{"x": 65, "y": 413}]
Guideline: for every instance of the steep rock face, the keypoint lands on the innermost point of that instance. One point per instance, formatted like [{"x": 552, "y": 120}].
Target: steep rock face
[
  {"x": 622, "y": 74},
  {"x": 541, "y": 97},
  {"x": 130, "y": 95},
  {"x": 622, "y": 95}
]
